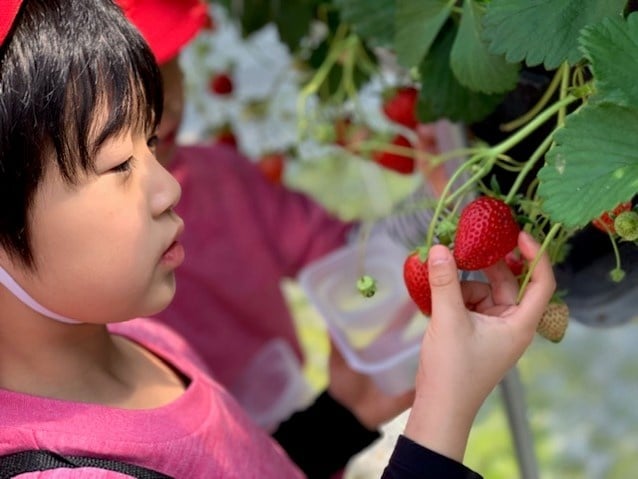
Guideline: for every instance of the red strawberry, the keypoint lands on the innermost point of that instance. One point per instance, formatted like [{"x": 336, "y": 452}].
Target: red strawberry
[
  {"x": 221, "y": 84},
  {"x": 226, "y": 136},
  {"x": 417, "y": 281},
  {"x": 400, "y": 108},
  {"x": 605, "y": 222},
  {"x": 272, "y": 166},
  {"x": 399, "y": 163},
  {"x": 486, "y": 232}
]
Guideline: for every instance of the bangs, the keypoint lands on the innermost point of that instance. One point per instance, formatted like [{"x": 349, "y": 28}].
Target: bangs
[{"x": 106, "y": 95}]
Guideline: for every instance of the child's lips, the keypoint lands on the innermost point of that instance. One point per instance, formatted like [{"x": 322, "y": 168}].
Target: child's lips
[{"x": 174, "y": 255}]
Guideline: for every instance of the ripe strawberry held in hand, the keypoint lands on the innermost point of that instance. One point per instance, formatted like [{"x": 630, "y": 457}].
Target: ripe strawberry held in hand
[
  {"x": 417, "y": 281},
  {"x": 400, "y": 108},
  {"x": 393, "y": 161},
  {"x": 605, "y": 222},
  {"x": 221, "y": 84},
  {"x": 486, "y": 232}
]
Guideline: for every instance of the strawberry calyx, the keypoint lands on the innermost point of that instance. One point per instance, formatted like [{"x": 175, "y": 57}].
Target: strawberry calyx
[{"x": 367, "y": 286}]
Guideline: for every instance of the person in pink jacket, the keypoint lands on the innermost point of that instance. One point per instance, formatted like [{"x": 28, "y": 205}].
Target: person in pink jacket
[
  {"x": 90, "y": 239},
  {"x": 245, "y": 233}
]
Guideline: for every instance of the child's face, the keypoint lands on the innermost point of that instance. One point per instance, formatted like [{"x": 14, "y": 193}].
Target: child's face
[
  {"x": 105, "y": 249},
  {"x": 172, "y": 80}
]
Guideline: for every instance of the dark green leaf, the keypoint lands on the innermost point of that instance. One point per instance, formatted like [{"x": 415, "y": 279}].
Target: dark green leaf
[
  {"x": 293, "y": 22},
  {"x": 593, "y": 165},
  {"x": 372, "y": 20},
  {"x": 612, "y": 48},
  {"x": 441, "y": 95},
  {"x": 417, "y": 24},
  {"x": 255, "y": 15},
  {"x": 542, "y": 31},
  {"x": 474, "y": 66}
]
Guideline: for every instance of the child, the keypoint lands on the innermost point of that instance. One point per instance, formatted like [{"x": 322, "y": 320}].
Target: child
[{"x": 89, "y": 238}]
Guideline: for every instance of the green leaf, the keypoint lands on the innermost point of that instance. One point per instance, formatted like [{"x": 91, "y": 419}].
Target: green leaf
[
  {"x": 612, "y": 48},
  {"x": 292, "y": 19},
  {"x": 593, "y": 165},
  {"x": 372, "y": 20},
  {"x": 474, "y": 66},
  {"x": 255, "y": 15},
  {"x": 441, "y": 95},
  {"x": 542, "y": 31},
  {"x": 417, "y": 24}
]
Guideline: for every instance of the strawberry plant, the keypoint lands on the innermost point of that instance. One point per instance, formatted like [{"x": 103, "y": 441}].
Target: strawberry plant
[{"x": 558, "y": 158}]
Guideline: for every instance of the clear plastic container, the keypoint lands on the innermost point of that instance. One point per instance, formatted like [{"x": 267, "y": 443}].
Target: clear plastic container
[
  {"x": 273, "y": 386},
  {"x": 381, "y": 335}
]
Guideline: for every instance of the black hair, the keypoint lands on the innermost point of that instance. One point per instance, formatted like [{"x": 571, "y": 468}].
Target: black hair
[{"x": 64, "y": 62}]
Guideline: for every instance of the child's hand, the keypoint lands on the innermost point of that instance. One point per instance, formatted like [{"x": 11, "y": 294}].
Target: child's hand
[
  {"x": 476, "y": 334},
  {"x": 359, "y": 393}
]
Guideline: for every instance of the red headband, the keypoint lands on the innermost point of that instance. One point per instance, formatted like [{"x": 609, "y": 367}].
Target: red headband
[{"x": 8, "y": 11}]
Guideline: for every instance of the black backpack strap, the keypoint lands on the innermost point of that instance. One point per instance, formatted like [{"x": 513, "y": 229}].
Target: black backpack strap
[{"x": 22, "y": 462}]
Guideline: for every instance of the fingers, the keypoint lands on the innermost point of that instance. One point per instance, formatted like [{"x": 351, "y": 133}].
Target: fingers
[
  {"x": 504, "y": 283},
  {"x": 542, "y": 284},
  {"x": 447, "y": 300}
]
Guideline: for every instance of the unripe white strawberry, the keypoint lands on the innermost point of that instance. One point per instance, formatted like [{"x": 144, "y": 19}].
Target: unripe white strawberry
[
  {"x": 553, "y": 324},
  {"x": 626, "y": 225}
]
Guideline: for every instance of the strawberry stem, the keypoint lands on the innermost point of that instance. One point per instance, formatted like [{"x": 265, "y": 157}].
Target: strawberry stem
[
  {"x": 552, "y": 232},
  {"x": 521, "y": 120},
  {"x": 538, "y": 153},
  {"x": 521, "y": 134}
]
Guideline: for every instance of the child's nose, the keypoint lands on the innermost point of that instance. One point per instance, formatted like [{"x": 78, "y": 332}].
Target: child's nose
[{"x": 166, "y": 191}]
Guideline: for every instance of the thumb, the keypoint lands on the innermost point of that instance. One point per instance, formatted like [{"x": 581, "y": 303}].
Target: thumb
[{"x": 447, "y": 299}]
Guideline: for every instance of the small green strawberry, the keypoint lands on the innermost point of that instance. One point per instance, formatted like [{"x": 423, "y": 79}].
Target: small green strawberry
[
  {"x": 486, "y": 232},
  {"x": 554, "y": 322},
  {"x": 417, "y": 281},
  {"x": 626, "y": 225},
  {"x": 367, "y": 286}
]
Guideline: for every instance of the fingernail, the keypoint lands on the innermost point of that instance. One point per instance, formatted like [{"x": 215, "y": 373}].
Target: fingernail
[{"x": 439, "y": 255}]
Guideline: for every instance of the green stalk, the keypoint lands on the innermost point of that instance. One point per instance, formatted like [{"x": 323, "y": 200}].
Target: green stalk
[
  {"x": 521, "y": 120},
  {"x": 538, "y": 153},
  {"x": 544, "y": 246},
  {"x": 521, "y": 134}
]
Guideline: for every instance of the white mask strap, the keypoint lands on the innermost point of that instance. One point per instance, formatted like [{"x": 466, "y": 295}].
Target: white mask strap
[{"x": 23, "y": 296}]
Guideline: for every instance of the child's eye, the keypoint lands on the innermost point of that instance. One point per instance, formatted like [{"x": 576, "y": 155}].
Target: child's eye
[{"x": 124, "y": 166}]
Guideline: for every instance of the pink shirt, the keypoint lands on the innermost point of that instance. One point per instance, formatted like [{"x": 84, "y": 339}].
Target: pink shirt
[
  {"x": 202, "y": 434},
  {"x": 243, "y": 235}
]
